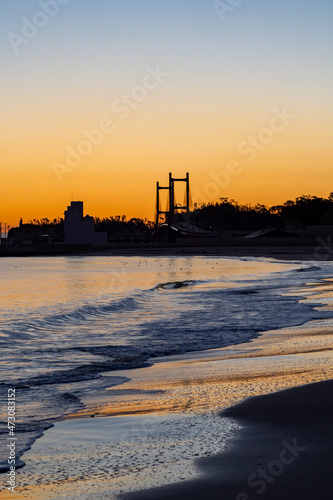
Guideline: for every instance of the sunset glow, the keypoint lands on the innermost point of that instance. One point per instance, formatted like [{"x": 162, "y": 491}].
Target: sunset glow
[{"x": 102, "y": 99}]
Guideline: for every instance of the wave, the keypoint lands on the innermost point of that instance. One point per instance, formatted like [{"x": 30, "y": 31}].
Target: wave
[
  {"x": 24, "y": 329},
  {"x": 128, "y": 331},
  {"x": 172, "y": 285},
  {"x": 307, "y": 269},
  {"x": 89, "y": 311}
]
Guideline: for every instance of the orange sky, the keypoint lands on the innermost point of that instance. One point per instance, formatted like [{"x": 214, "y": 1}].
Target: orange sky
[{"x": 194, "y": 98}]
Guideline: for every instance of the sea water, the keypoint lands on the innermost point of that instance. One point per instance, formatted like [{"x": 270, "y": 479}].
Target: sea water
[{"x": 64, "y": 321}]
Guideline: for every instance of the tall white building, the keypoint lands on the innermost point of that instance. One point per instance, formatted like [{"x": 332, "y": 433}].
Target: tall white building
[{"x": 80, "y": 230}]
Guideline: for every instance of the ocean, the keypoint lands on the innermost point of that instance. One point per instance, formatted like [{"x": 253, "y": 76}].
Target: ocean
[{"x": 67, "y": 320}]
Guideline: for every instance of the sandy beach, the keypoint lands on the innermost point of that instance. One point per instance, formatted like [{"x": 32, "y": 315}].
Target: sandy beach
[
  {"x": 181, "y": 425},
  {"x": 166, "y": 250},
  {"x": 284, "y": 451},
  {"x": 189, "y": 404}
]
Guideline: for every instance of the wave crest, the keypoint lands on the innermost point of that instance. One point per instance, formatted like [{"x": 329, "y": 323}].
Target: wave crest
[
  {"x": 307, "y": 269},
  {"x": 172, "y": 285}
]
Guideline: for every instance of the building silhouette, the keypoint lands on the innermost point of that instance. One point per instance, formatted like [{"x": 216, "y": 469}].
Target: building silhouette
[{"x": 79, "y": 229}]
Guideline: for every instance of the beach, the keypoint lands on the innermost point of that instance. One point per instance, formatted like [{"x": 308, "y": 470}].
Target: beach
[
  {"x": 284, "y": 451},
  {"x": 177, "y": 404},
  {"x": 174, "y": 424},
  {"x": 166, "y": 250}
]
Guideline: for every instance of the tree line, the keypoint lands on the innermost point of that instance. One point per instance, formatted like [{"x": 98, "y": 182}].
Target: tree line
[
  {"x": 299, "y": 213},
  {"x": 225, "y": 214}
]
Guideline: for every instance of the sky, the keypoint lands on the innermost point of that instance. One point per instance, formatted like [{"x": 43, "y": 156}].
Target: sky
[{"x": 102, "y": 98}]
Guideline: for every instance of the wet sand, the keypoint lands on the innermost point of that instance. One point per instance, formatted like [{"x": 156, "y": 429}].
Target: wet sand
[
  {"x": 164, "y": 426},
  {"x": 284, "y": 452}
]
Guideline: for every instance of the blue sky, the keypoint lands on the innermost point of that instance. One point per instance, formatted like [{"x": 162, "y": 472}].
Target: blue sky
[{"x": 225, "y": 79}]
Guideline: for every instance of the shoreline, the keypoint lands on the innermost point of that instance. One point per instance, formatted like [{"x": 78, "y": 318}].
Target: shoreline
[
  {"x": 282, "y": 452},
  {"x": 198, "y": 381},
  {"x": 184, "y": 387},
  {"x": 314, "y": 253}
]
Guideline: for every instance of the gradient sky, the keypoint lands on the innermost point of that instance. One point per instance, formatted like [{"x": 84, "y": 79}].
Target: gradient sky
[{"x": 228, "y": 77}]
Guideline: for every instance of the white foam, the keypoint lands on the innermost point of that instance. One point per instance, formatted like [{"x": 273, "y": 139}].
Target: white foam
[{"x": 107, "y": 453}]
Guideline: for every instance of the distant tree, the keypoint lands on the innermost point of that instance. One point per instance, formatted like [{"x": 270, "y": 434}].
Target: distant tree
[
  {"x": 229, "y": 215},
  {"x": 307, "y": 210}
]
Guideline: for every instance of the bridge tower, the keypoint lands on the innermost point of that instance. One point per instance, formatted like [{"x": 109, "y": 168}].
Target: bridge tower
[{"x": 172, "y": 209}]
